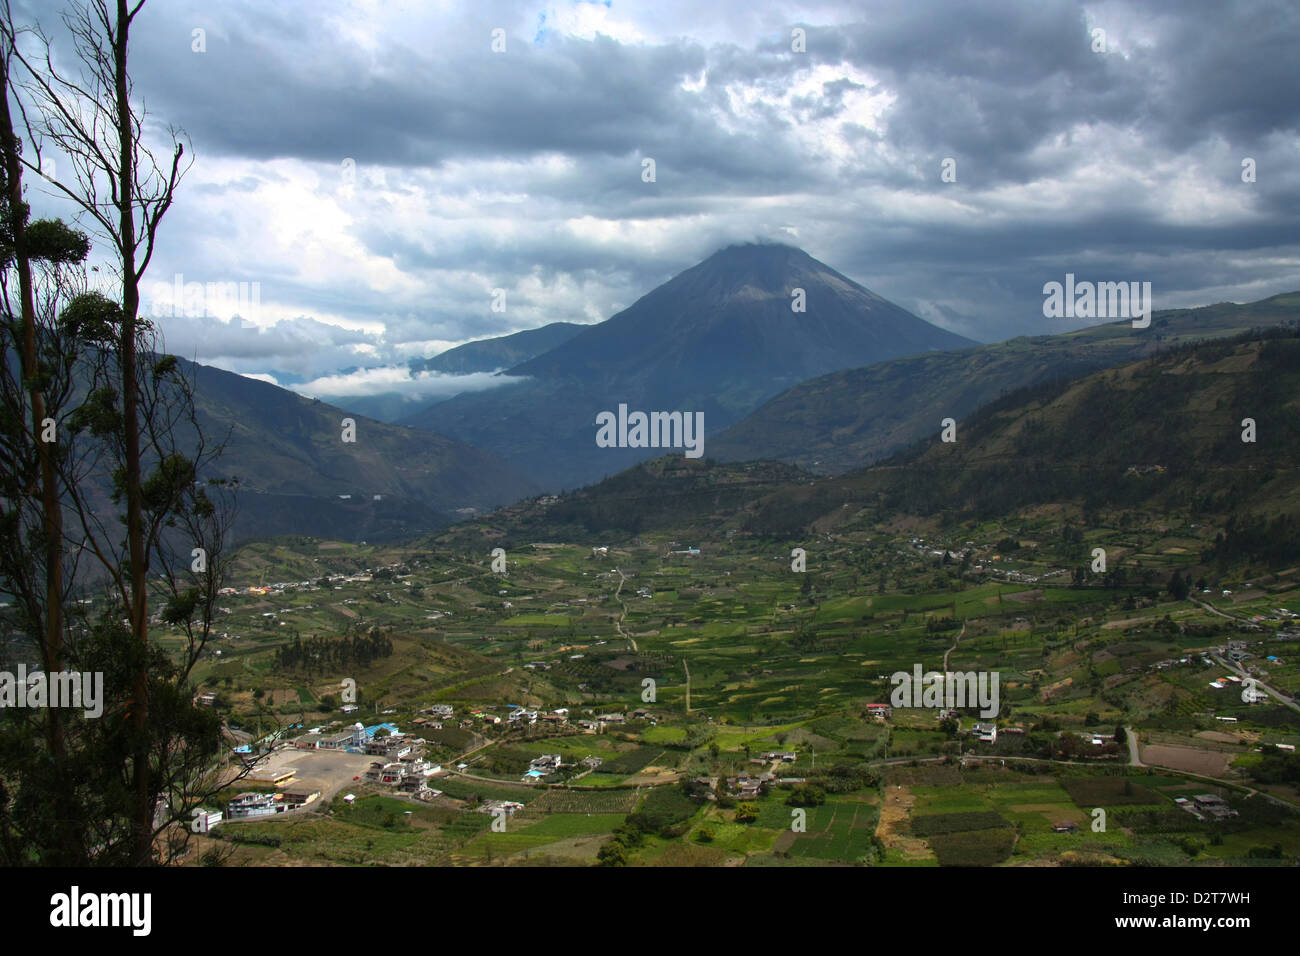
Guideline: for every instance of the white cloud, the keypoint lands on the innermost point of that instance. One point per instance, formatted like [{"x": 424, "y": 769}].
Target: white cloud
[{"x": 399, "y": 380}]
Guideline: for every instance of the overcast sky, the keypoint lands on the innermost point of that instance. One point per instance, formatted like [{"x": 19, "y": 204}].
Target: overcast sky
[{"x": 378, "y": 170}]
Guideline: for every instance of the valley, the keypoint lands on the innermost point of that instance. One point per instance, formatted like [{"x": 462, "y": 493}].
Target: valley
[
  {"x": 1061, "y": 630},
  {"x": 789, "y": 696},
  {"x": 618, "y": 437}
]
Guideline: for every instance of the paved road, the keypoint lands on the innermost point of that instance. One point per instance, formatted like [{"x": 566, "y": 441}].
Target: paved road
[
  {"x": 1273, "y": 692},
  {"x": 1133, "y": 758},
  {"x": 517, "y": 784},
  {"x": 1236, "y": 668},
  {"x": 1214, "y": 610}
]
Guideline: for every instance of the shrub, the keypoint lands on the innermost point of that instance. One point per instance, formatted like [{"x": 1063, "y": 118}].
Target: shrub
[{"x": 806, "y": 795}]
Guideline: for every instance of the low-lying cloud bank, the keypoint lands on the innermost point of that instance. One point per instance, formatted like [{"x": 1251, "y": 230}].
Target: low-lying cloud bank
[{"x": 399, "y": 380}]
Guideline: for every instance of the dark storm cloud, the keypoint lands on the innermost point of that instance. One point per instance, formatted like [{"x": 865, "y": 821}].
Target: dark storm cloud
[
  {"x": 523, "y": 170},
  {"x": 268, "y": 88}
]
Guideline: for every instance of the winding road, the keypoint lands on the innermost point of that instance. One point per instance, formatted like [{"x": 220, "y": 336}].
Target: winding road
[
  {"x": 619, "y": 623},
  {"x": 954, "y": 646}
]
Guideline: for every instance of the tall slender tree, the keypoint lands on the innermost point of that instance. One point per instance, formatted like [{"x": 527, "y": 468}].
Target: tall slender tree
[
  {"x": 36, "y": 386},
  {"x": 125, "y": 432}
]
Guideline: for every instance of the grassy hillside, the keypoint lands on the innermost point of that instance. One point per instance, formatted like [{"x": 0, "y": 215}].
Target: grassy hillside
[
  {"x": 848, "y": 419},
  {"x": 672, "y": 492},
  {"x": 1163, "y": 435},
  {"x": 295, "y": 468}
]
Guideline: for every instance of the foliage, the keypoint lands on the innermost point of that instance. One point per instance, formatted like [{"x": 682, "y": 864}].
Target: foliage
[
  {"x": 806, "y": 795},
  {"x": 327, "y": 655}
]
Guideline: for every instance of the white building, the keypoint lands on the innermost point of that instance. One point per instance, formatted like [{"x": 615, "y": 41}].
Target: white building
[{"x": 207, "y": 819}]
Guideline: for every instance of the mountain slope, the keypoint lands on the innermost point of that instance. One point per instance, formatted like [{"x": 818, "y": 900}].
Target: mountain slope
[
  {"x": 505, "y": 351},
  {"x": 293, "y": 465},
  {"x": 681, "y": 494},
  {"x": 483, "y": 356},
  {"x": 1162, "y": 436},
  {"x": 719, "y": 338},
  {"x": 729, "y": 319},
  {"x": 850, "y": 418}
]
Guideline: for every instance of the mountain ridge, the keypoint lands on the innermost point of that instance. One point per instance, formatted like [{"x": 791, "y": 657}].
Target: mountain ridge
[
  {"x": 719, "y": 337},
  {"x": 294, "y": 467},
  {"x": 1099, "y": 442},
  {"x": 500, "y": 352},
  {"x": 849, "y": 418}
]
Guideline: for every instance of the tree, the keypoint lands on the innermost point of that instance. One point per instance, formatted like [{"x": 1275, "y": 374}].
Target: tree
[
  {"x": 747, "y": 813},
  {"x": 612, "y": 853},
  {"x": 37, "y": 383},
  {"x": 1121, "y": 735},
  {"x": 806, "y": 795},
  {"x": 123, "y": 432},
  {"x": 1072, "y": 544}
]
